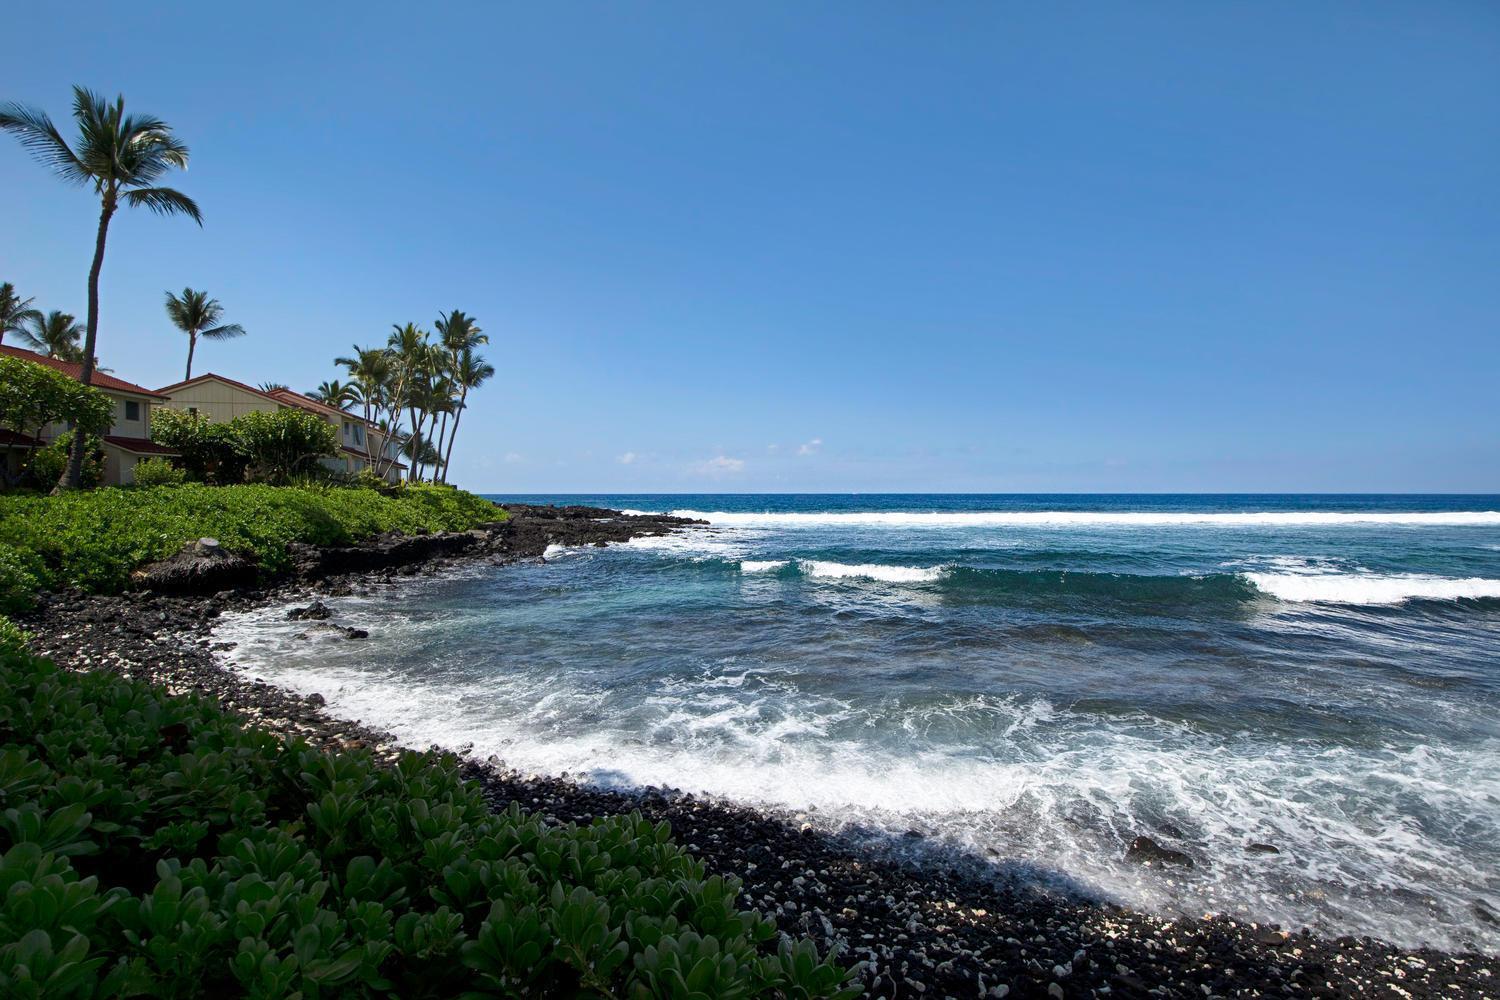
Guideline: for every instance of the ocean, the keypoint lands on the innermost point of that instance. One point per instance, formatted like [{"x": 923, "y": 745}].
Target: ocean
[{"x": 1029, "y": 682}]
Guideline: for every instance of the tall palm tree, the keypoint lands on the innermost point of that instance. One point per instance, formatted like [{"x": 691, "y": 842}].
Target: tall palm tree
[
  {"x": 471, "y": 372},
  {"x": 197, "y": 315},
  {"x": 56, "y": 335},
  {"x": 457, "y": 332},
  {"x": 122, "y": 157},
  {"x": 15, "y": 312}
]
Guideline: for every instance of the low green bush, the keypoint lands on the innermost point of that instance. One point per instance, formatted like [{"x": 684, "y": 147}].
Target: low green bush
[
  {"x": 158, "y": 472},
  {"x": 151, "y": 845},
  {"x": 92, "y": 540},
  {"x": 20, "y": 578}
]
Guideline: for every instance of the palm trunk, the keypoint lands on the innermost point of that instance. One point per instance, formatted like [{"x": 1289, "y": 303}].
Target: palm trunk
[
  {"x": 72, "y": 477},
  {"x": 462, "y": 396},
  {"x": 442, "y": 433},
  {"x": 192, "y": 344}
]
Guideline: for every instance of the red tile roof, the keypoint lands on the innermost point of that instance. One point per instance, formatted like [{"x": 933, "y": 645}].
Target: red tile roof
[
  {"x": 138, "y": 446},
  {"x": 102, "y": 380}
]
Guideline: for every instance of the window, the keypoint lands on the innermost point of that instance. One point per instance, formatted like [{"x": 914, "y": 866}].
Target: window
[
  {"x": 192, "y": 411},
  {"x": 132, "y": 410}
]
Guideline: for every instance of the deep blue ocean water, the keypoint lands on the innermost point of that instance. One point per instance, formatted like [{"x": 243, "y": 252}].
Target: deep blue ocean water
[{"x": 1031, "y": 680}]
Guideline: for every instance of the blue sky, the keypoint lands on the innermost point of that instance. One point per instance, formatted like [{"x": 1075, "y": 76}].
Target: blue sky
[{"x": 857, "y": 246}]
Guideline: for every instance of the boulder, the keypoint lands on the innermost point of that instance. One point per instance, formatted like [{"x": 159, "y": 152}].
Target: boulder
[
  {"x": 201, "y": 567},
  {"x": 316, "y": 611},
  {"x": 1145, "y": 851}
]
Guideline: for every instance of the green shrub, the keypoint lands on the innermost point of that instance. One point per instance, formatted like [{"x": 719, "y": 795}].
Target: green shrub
[
  {"x": 20, "y": 578},
  {"x": 47, "y": 463},
  {"x": 158, "y": 472},
  {"x": 284, "y": 443},
  {"x": 92, "y": 540},
  {"x": 210, "y": 452},
  {"x": 151, "y": 845}
]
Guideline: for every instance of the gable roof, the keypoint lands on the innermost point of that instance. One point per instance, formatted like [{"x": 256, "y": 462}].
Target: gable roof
[
  {"x": 297, "y": 399},
  {"x": 72, "y": 369},
  {"x": 169, "y": 389}
]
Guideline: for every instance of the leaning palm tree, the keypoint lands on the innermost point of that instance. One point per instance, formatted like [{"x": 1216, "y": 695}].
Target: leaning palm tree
[
  {"x": 15, "y": 312},
  {"x": 369, "y": 370},
  {"x": 122, "y": 157},
  {"x": 471, "y": 372},
  {"x": 56, "y": 335},
  {"x": 197, "y": 315}
]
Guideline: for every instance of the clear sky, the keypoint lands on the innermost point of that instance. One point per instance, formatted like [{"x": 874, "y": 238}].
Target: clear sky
[{"x": 827, "y": 247}]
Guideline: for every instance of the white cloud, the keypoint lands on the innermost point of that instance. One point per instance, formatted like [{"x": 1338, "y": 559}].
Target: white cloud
[
  {"x": 773, "y": 448},
  {"x": 720, "y": 465},
  {"x": 514, "y": 456},
  {"x": 811, "y": 447},
  {"x": 627, "y": 458}
]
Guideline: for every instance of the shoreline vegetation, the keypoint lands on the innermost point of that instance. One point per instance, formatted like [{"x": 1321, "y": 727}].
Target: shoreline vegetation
[{"x": 909, "y": 919}]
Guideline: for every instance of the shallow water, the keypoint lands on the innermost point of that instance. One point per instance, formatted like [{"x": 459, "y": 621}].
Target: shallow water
[{"x": 1035, "y": 680}]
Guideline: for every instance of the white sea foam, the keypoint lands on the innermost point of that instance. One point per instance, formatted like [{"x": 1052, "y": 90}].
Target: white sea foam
[
  {"x": 1369, "y": 588},
  {"x": 870, "y": 571},
  {"x": 1020, "y": 777},
  {"x": 554, "y": 550},
  {"x": 762, "y": 565},
  {"x": 1086, "y": 519}
]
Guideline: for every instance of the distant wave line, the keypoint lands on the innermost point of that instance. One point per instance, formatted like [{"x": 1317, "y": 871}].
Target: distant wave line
[{"x": 1085, "y": 519}]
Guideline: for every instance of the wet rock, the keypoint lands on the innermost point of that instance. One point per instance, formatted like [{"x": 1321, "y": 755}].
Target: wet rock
[
  {"x": 201, "y": 567},
  {"x": 1145, "y": 851},
  {"x": 1262, "y": 849},
  {"x": 316, "y": 611}
]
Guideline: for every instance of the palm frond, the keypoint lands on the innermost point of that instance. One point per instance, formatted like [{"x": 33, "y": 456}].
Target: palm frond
[
  {"x": 41, "y": 139},
  {"x": 225, "y": 332},
  {"x": 164, "y": 201}
]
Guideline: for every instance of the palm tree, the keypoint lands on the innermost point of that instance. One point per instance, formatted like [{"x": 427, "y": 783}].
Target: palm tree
[
  {"x": 197, "y": 315},
  {"x": 457, "y": 332},
  {"x": 272, "y": 386},
  {"x": 56, "y": 335},
  {"x": 369, "y": 370},
  {"x": 15, "y": 311},
  {"x": 471, "y": 372},
  {"x": 122, "y": 157},
  {"x": 339, "y": 395}
]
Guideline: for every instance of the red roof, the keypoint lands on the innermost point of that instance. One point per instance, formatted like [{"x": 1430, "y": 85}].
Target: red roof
[
  {"x": 138, "y": 446},
  {"x": 11, "y": 439},
  {"x": 72, "y": 369}
]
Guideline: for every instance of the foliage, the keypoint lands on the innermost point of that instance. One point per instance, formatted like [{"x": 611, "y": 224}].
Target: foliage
[
  {"x": 121, "y": 157},
  {"x": 422, "y": 382},
  {"x": 47, "y": 463},
  {"x": 158, "y": 472},
  {"x": 154, "y": 845},
  {"x": 20, "y": 578},
  {"x": 12, "y": 639},
  {"x": 93, "y": 540},
  {"x": 56, "y": 335},
  {"x": 207, "y": 451},
  {"x": 33, "y": 395},
  {"x": 283, "y": 443},
  {"x": 197, "y": 315},
  {"x": 15, "y": 311}
]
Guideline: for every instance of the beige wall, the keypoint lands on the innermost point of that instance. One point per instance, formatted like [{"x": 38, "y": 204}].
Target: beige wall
[{"x": 219, "y": 401}]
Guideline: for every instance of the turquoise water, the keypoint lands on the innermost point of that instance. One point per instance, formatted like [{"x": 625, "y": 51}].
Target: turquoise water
[{"x": 1029, "y": 680}]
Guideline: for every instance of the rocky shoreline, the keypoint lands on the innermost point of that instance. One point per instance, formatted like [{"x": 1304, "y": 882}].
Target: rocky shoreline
[{"x": 939, "y": 928}]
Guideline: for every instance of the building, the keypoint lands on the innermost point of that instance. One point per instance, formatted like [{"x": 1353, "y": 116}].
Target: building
[
  {"x": 362, "y": 444},
  {"x": 128, "y": 440}
]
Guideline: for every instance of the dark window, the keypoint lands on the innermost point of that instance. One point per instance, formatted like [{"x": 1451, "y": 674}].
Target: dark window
[
  {"x": 132, "y": 410},
  {"x": 193, "y": 410}
]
